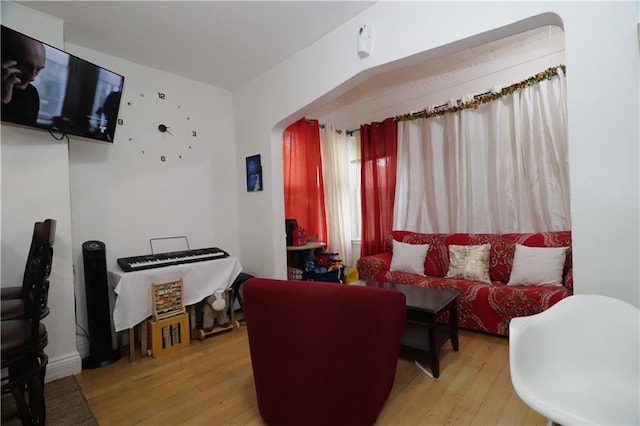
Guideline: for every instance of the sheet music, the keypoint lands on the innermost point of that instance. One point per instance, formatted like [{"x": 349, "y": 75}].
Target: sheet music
[{"x": 169, "y": 244}]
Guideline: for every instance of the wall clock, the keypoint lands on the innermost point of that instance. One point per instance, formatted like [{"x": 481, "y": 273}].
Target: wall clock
[{"x": 171, "y": 133}]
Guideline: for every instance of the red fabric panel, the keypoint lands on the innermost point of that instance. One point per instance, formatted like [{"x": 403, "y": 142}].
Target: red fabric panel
[
  {"x": 490, "y": 307},
  {"x": 481, "y": 306},
  {"x": 302, "y": 176},
  {"x": 322, "y": 354},
  {"x": 370, "y": 266},
  {"x": 568, "y": 280},
  {"x": 379, "y": 152}
]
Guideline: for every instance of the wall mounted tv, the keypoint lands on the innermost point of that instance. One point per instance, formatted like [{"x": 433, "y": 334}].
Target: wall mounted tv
[{"x": 47, "y": 88}]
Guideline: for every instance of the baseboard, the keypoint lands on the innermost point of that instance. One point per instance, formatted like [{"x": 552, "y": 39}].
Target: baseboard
[
  {"x": 82, "y": 344},
  {"x": 62, "y": 366}
]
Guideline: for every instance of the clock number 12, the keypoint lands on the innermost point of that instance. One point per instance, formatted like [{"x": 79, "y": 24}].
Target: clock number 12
[{"x": 161, "y": 95}]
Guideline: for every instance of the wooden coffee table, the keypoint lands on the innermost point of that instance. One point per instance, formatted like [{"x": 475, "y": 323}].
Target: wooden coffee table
[{"x": 424, "y": 305}]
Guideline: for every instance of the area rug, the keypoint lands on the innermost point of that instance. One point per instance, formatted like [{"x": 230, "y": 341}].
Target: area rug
[{"x": 66, "y": 405}]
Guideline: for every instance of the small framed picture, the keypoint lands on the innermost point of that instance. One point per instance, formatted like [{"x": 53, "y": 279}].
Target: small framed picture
[{"x": 254, "y": 173}]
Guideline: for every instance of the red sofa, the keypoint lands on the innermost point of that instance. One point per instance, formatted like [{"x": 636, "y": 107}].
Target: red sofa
[
  {"x": 481, "y": 306},
  {"x": 321, "y": 353}
]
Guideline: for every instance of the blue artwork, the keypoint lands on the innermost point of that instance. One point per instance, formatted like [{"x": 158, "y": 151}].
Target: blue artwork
[{"x": 254, "y": 173}]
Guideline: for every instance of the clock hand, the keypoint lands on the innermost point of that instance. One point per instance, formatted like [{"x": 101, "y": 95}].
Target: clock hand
[{"x": 164, "y": 129}]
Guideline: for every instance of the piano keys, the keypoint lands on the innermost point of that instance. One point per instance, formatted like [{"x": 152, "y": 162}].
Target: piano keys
[{"x": 158, "y": 260}]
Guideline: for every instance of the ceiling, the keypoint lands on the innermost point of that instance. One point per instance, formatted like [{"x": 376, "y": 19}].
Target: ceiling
[
  {"x": 229, "y": 43},
  {"x": 222, "y": 43}
]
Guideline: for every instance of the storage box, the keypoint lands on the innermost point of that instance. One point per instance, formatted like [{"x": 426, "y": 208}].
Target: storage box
[{"x": 168, "y": 335}]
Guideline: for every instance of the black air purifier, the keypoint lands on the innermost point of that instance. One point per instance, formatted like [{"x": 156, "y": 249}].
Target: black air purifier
[{"x": 101, "y": 352}]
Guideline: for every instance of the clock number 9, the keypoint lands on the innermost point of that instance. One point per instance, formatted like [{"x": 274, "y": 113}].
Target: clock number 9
[{"x": 120, "y": 121}]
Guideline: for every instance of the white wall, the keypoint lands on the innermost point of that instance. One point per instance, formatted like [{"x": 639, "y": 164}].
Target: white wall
[
  {"x": 124, "y": 197},
  {"x": 115, "y": 193},
  {"x": 209, "y": 206},
  {"x": 35, "y": 186},
  {"x": 457, "y": 74},
  {"x": 602, "y": 63}
]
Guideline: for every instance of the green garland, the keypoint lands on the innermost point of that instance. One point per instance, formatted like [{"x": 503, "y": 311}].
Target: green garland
[{"x": 487, "y": 97}]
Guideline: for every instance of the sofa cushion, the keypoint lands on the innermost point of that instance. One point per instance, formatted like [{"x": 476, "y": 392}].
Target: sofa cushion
[
  {"x": 537, "y": 265},
  {"x": 469, "y": 262},
  {"x": 500, "y": 257},
  {"x": 436, "y": 262},
  {"x": 408, "y": 257}
]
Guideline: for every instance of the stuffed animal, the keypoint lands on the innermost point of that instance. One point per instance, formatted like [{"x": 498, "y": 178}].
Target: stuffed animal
[{"x": 215, "y": 311}]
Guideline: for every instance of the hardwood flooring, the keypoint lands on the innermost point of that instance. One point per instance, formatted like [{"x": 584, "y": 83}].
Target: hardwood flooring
[{"x": 210, "y": 383}]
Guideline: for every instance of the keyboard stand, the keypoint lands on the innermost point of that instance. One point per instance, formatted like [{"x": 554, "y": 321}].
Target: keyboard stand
[
  {"x": 141, "y": 331},
  {"x": 135, "y": 288}
]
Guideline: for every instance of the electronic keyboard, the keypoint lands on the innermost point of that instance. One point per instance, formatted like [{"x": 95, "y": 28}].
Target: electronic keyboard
[{"x": 149, "y": 261}]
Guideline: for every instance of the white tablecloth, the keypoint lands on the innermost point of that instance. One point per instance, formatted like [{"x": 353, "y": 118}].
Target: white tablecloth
[{"x": 199, "y": 279}]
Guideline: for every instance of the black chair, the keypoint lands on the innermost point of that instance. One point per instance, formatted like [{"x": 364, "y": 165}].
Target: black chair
[
  {"x": 10, "y": 293},
  {"x": 12, "y": 298},
  {"x": 23, "y": 342},
  {"x": 236, "y": 286}
]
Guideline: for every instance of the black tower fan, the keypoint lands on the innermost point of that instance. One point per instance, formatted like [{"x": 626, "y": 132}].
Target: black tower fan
[{"x": 101, "y": 352}]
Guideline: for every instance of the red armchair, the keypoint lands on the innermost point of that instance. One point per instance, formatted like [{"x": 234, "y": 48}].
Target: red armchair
[{"x": 322, "y": 354}]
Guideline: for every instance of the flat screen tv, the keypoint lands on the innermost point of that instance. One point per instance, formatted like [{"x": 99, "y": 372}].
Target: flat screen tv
[{"x": 47, "y": 88}]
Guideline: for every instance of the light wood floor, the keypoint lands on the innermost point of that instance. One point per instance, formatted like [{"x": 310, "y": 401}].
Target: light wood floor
[{"x": 210, "y": 382}]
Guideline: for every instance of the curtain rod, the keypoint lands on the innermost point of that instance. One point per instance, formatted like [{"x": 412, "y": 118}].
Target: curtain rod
[
  {"x": 458, "y": 102},
  {"x": 349, "y": 132},
  {"x": 340, "y": 131},
  {"x": 485, "y": 97},
  {"x": 478, "y": 99}
]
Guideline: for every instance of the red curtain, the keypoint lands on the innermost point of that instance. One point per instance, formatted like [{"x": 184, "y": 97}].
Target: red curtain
[
  {"x": 302, "y": 174},
  {"x": 379, "y": 151}
]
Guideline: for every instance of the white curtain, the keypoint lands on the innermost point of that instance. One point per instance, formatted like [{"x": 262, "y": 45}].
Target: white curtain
[
  {"x": 502, "y": 167},
  {"x": 334, "y": 150}
]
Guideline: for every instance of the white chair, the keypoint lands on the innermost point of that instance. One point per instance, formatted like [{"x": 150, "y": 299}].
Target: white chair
[{"x": 578, "y": 362}]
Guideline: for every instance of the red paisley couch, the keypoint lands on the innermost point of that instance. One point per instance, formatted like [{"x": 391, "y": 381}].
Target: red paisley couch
[{"x": 481, "y": 306}]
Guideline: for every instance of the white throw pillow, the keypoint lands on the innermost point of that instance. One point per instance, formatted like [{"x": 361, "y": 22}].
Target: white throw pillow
[
  {"x": 537, "y": 265},
  {"x": 469, "y": 262},
  {"x": 409, "y": 257}
]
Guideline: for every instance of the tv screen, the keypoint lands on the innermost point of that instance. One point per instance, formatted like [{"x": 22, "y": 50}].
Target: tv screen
[{"x": 47, "y": 88}]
